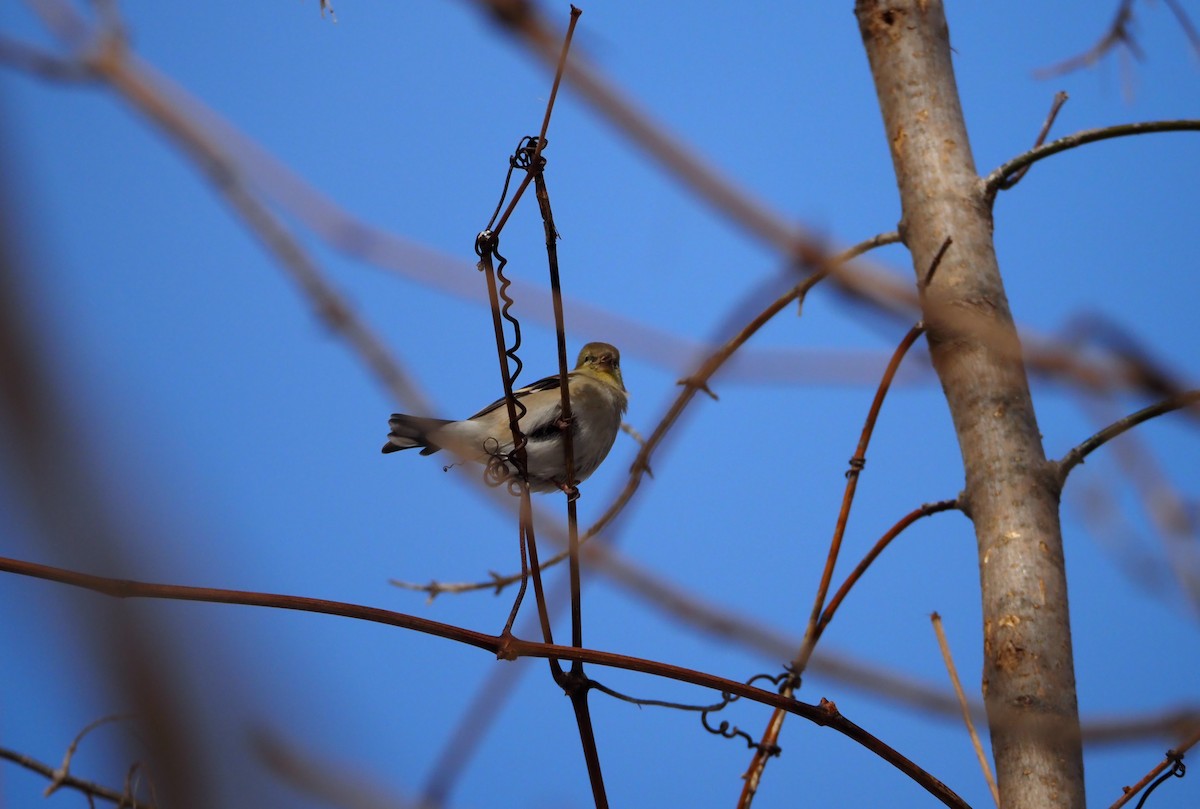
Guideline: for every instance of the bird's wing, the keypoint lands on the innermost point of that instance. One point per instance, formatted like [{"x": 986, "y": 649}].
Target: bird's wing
[{"x": 549, "y": 383}]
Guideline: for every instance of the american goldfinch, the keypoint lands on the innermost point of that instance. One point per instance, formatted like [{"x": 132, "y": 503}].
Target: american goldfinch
[{"x": 598, "y": 399}]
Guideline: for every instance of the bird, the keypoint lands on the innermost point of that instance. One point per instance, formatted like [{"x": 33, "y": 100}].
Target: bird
[{"x": 598, "y": 400}]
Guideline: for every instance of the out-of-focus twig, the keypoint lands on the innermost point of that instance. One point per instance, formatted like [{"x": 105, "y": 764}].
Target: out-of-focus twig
[
  {"x": 105, "y": 55},
  {"x": 885, "y": 292},
  {"x": 1117, "y": 34},
  {"x": 318, "y": 778}
]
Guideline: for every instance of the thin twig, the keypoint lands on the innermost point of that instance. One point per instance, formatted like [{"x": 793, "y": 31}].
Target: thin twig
[
  {"x": 575, "y": 683},
  {"x": 64, "y": 769},
  {"x": 944, "y": 645},
  {"x": 857, "y": 463},
  {"x": 1076, "y": 456},
  {"x": 926, "y": 510},
  {"x": 1179, "y": 750},
  {"x": 996, "y": 179},
  {"x": 88, "y": 788},
  {"x": 1060, "y": 98}
]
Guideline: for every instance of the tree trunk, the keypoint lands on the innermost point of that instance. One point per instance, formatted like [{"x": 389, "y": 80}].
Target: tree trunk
[{"x": 1010, "y": 495}]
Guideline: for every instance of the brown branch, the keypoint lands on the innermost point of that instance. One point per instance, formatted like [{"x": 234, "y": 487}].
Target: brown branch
[
  {"x": 824, "y": 715},
  {"x": 998, "y": 177},
  {"x": 1076, "y": 456},
  {"x": 857, "y": 463},
  {"x": 1158, "y": 769},
  {"x": 574, "y": 682},
  {"x": 769, "y": 742},
  {"x": 318, "y": 778},
  {"x": 64, "y": 769},
  {"x": 523, "y": 21},
  {"x": 926, "y": 510},
  {"x": 948, "y": 658}
]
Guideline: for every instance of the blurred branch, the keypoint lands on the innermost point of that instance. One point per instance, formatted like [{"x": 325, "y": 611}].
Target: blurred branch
[
  {"x": 64, "y": 769},
  {"x": 1119, "y": 34},
  {"x": 315, "y": 777},
  {"x": 21, "y": 56},
  {"x": 1171, "y": 513},
  {"x": 104, "y": 54},
  {"x": 886, "y": 292}
]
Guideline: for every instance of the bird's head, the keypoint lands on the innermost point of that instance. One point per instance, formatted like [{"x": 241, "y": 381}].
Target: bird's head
[{"x": 603, "y": 362}]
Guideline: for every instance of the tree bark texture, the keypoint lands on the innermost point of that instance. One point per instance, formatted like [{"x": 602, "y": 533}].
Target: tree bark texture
[{"x": 1011, "y": 494}]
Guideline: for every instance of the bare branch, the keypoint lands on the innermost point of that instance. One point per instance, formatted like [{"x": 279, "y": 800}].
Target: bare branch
[
  {"x": 1077, "y": 455},
  {"x": 121, "y": 799},
  {"x": 1060, "y": 98},
  {"x": 1172, "y": 759},
  {"x": 825, "y": 715},
  {"x": 948, "y": 658},
  {"x": 996, "y": 180},
  {"x": 769, "y": 742}
]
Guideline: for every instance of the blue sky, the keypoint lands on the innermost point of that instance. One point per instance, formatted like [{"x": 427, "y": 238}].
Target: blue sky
[{"x": 237, "y": 439}]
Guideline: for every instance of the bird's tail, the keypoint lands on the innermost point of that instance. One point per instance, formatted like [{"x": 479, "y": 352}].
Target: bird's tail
[{"x": 412, "y": 431}]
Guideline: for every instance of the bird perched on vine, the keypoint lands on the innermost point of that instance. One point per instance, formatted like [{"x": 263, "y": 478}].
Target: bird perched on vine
[{"x": 598, "y": 399}]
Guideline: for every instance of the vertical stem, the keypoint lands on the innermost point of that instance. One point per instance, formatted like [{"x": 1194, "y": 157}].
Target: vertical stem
[{"x": 1010, "y": 495}]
